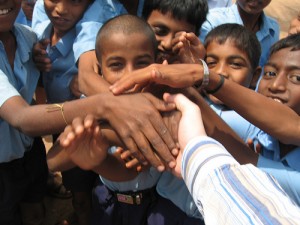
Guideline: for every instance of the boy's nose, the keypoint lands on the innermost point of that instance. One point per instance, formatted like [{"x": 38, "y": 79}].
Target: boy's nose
[
  {"x": 279, "y": 83},
  {"x": 61, "y": 8},
  {"x": 221, "y": 70},
  {"x": 166, "y": 43}
]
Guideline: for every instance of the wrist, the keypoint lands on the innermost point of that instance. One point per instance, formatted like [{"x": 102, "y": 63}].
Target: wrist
[{"x": 203, "y": 83}]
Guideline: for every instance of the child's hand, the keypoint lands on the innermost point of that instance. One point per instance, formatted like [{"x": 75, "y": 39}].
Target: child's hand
[
  {"x": 130, "y": 161},
  {"x": 188, "y": 47},
  {"x": 40, "y": 56},
  {"x": 84, "y": 142}
]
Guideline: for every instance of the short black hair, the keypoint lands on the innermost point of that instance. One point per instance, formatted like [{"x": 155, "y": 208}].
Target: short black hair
[
  {"x": 242, "y": 38},
  {"x": 192, "y": 11},
  {"x": 292, "y": 41},
  {"x": 126, "y": 24}
]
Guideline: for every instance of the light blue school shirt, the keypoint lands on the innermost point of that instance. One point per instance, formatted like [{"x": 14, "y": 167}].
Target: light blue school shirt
[
  {"x": 144, "y": 180},
  {"x": 218, "y": 3},
  {"x": 285, "y": 170},
  {"x": 21, "y": 18},
  {"x": 21, "y": 81},
  {"x": 93, "y": 19},
  {"x": 57, "y": 81},
  {"x": 174, "y": 189},
  {"x": 267, "y": 35}
]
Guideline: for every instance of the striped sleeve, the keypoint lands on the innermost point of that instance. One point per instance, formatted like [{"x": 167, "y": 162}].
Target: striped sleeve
[{"x": 229, "y": 193}]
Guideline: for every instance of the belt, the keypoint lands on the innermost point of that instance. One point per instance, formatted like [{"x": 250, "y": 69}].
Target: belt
[{"x": 135, "y": 197}]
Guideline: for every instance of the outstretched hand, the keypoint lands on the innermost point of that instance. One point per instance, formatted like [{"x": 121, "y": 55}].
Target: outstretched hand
[
  {"x": 174, "y": 75},
  {"x": 190, "y": 125},
  {"x": 84, "y": 143}
]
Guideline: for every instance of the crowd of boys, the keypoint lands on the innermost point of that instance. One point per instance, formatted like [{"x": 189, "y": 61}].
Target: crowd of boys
[{"x": 126, "y": 170}]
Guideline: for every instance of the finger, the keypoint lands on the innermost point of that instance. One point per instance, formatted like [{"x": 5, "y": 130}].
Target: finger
[
  {"x": 89, "y": 121},
  {"x": 132, "y": 163},
  {"x": 67, "y": 136},
  {"x": 126, "y": 156},
  {"x": 78, "y": 125},
  {"x": 193, "y": 39},
  {"x": 130, "y": 143},
  {"x": 130, "y": 81}
]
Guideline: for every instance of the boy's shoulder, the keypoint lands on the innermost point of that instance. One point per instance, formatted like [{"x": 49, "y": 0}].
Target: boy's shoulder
[{"x": 25, "y": 34}]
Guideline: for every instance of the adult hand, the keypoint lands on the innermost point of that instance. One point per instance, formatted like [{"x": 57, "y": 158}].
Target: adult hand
[
  {"x": 190, "y": 125},
  {"x": 84, "y": 143},
  {"x": 137, "y": 120},
  {"x": 40, "y": 56},
  {"x": 188, "y": 47},
  {"x": 175, "y": 75}
]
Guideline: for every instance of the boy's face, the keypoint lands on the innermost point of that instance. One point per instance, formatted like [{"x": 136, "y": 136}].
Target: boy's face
[
  {"x": 64, "y": 14},
  {"x": 121, "y": 54},
  {"x": 9, "y": 10},
  {"x": 281, "y": 78},
  {"x": 229, "y": 61},
  {"x": 165, "y": 27},
  {"x": 253, "y": 6}
]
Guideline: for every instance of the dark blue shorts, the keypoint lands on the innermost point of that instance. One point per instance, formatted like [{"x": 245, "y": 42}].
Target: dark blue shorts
[
  {"x": 153, "y": 210},
  {"x": 22, "y": 180},
  {"x": 109, "y": 209}
]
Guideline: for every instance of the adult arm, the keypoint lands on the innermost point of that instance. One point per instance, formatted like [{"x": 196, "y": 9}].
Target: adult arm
[{"x": 224, "y": 191}]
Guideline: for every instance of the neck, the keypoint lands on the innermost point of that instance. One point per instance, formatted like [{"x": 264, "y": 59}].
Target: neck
[
  {"x": 10, "y": 45},
  {"x": 251, "y": 21},
  {"x": 131, "y": 6}
]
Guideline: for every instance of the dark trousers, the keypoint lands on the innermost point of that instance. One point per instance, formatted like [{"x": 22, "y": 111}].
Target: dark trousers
[{"x": 22, "y": 180}]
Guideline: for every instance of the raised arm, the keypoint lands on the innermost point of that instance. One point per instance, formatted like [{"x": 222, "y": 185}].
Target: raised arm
[
  {"x": 256, "y": 108},
  {"x": 224, "y": 191}
]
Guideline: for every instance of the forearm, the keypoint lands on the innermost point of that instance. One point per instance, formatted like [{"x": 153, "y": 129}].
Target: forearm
[
  {"x": 260, "y": 111},
  {"x": 41, "y": 120},
  {"x": 216, "y": 180},
  {"x": 90, "y": 81}
]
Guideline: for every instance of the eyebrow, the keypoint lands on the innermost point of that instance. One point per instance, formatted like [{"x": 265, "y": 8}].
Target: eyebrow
[
  {"x": 290, "y": 67},
  {"x": 230, "y": 57}
]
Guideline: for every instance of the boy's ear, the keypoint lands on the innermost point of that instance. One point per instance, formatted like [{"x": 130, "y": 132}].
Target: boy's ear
[
  {"x": 255, "y": 78},
  {"x": 99, "y": 71}
]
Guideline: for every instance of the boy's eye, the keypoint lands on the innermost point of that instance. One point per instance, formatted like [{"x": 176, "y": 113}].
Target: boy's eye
[
  {"x": 115, "y": 65},
  {"x": 160, "y": 31},
  {"x": 236, "y": 65},
  {"x": 270, "y": 74},
  {"x": 294, "y": 78},
  {"x": 211, "y": 63},
  {"x": 142, "y": 64}
]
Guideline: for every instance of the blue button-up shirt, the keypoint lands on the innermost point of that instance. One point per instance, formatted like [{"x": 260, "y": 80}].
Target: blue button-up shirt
[
  {"x": 87, "y": 28},
  {"x": 57, "y": 81},
  {"x": 19, "y": 81}
]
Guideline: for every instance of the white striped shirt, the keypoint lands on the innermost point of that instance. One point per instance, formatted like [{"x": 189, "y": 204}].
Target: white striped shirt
[{"x": 229, "y": 193}]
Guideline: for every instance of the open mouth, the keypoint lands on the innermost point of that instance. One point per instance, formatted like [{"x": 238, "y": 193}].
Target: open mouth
[{"x": 5, "y": 11}]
